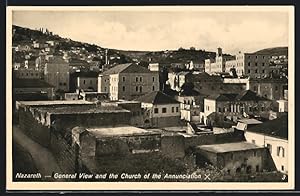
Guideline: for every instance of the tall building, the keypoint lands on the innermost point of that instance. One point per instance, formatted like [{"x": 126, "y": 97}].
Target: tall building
[
  {"x": 217, "y": 65},
  {"x": 255, "y": 65},
  {"x": 128, "y": 81},
  {"x": 57, "y": 73}
]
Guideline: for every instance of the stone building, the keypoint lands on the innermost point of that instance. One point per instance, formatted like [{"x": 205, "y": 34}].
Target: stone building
[
  {"x": 128, "y": 81},
  {"x": 217, "y": 65},
  {"x": 273, "y": 135},
  {"x": 57, "y": 73},
  {"x": 271, "y": 88},
  {"x": 160, "y": 110},
  {"x": 233, "y": 158},
  {"x": 84, "y": 81},
  {"x": 236, "y": 105}
]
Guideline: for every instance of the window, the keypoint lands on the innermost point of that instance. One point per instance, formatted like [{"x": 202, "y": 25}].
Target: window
[
  {"x": 250, "y": 109},
  {"x": 249, "y": 64},
  {"x": 136, "y": 79},
  {"x": 278, "y": 151},
  {"x": 253, "y": 141},
  {"x": 263, "y": 64},
  {"x": 141, "y": 89},
  {"x": 123, "y": 79},
  {"x": 256, "y": 57},
  {"x": 257, "y": 168},
  {"x": 136, "y": 88},
  {"x": 276, "y": 88},
  {"x": 256, "y": 71},
  {"x": 153, "y": 88},
  {"x": 255, "y": 153},
  {"x": 249, "y": 71},
  {"x": 172, "y": 109},
  {"x": 282, "y": 168},
  {"x": 123, "y": 88},
  {"x": 263, "y": 57},
  {"x": 207, "y": 108},
  {"x": 83, "y": 81},
  {"x": 282, "y": 152},
  {"x": 263, "y": 71},
  {"x": 219, "y": 109},
  {"x": 176, "y": 109},
  {"x": 256, "y": 64},
  {"x": 65, "y": 84},
  {"x": 155, "y": 110},
  {"x": 141, "y": 79},
  {"x": 26, "y": 74},
  {"x": 164, "y": 110},
  {"x": 153, "y": 79},
  {"x": 31, "y": 74}
]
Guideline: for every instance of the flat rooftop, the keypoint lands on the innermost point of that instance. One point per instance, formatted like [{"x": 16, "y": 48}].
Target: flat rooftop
[
  {"x": 122, "y": 130},
  {"x": 251, "y": 121},
  {"x": 229, "y": 147},
  {"x": 54, "y": 102},
  {"x": 82, "y": 109}
]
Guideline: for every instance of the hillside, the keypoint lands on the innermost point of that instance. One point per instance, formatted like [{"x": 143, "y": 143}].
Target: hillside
[
  {"x": 171, "y": 56},
  {"x": 274, "y": 51}
]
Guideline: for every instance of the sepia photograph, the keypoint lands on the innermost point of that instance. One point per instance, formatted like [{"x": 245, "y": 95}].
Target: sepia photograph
[{"x": 150, "y": 97}]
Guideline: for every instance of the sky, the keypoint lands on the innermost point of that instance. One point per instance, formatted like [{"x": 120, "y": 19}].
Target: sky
[{"x": 165, "y": 30}]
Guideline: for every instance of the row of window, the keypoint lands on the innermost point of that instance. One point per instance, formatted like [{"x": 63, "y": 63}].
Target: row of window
[
  {"x": 280, "y": 150},
  {"x": 257, "y": 57},
  {"x": 256, "y": 71},
  {"x": 62, "y": 84},
  {"x": 237, "y": 109},
  {"x": 27, "y": 74},
  {"x": 137, "y": 79},
  {"x": 164, "y": 110},
  {"x": 256, "y": 64},
  {"x": 91, "y": 81},
  {"x": 255, "y": 88}
]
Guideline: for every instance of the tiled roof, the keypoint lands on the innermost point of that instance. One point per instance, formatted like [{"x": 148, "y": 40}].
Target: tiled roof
[
  {"x": 223, "y": 97},
  {"x": 246, "y": 95},
  {"x": 277, "y": 127},
  {"x": 249, "y": 95},
  {"x": 157, "y": 97},
  {"x": 30, "y": 83},
  {"x": 90, "y": 74},
  {"x": 127, "y": 68}
]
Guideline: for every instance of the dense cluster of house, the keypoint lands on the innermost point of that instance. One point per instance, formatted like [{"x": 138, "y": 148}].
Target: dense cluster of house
[{"x": 232, "y": 96}]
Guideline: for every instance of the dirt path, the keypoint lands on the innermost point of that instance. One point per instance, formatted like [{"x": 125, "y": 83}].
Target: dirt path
[{"x": 42, "y": 157}]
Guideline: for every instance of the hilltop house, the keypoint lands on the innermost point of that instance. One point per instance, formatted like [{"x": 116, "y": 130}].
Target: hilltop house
[
  {"x": 160, "y": 110},
  {"x": 128, "y": 81}
]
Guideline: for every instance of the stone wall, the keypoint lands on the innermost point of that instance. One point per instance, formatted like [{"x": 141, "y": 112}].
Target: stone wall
[
  {"x": 65, "y": 154},
  {"x": 207, "y": 139},
  {"x": 173, "y": 146},
  {"x": 33, "y": 127}
]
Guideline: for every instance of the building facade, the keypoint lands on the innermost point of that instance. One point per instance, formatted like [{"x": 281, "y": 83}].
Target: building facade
[
  {"x": 128, "y": 81},
  {"x": 236, "y": 105},
  {"x": 56, "y": 73},
  {"x": 274, "y": 136},
  {"x": 160, "y": 110}
]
